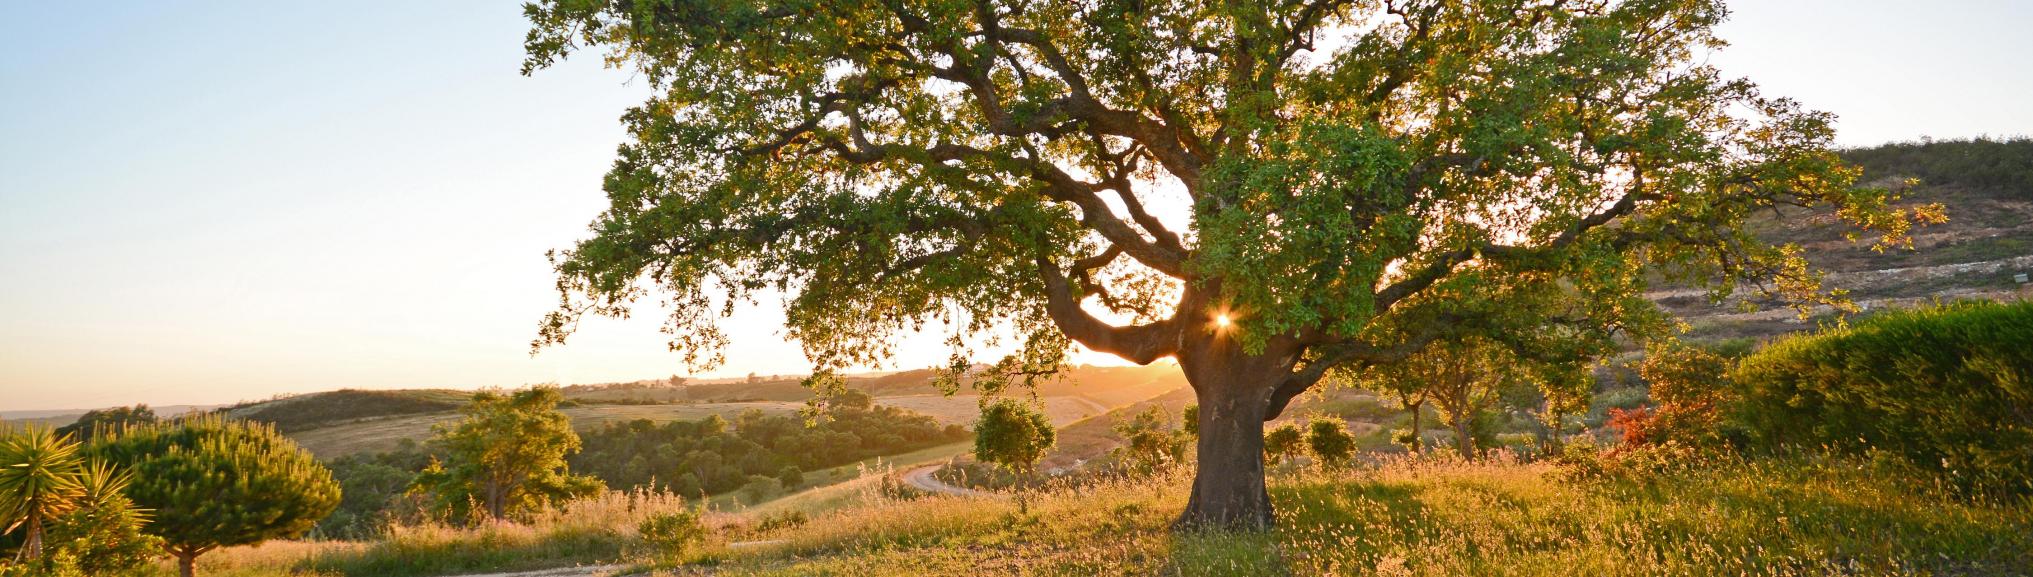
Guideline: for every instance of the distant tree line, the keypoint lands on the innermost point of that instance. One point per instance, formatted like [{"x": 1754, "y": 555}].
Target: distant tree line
[
  {"x": 755, "y": 453},
  {"x": 1984, "y": 162},
  {"x": 712, "y": 455}
]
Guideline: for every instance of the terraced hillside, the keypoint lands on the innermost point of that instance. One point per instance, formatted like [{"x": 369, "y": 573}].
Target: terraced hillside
[{"x": 1986, "y": 189}]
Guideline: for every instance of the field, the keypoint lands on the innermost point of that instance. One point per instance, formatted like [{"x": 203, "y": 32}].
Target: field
[
  {"x": 1798, "y": 515},
  {"x": 384, "y": 434}
]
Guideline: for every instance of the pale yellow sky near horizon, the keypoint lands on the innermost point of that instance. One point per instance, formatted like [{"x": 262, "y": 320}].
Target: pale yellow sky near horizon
[{"x": 227, "y": 201}]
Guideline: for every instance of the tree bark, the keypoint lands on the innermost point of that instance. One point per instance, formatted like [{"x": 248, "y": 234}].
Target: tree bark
[
  {"x": 1234, "y": 390},
  {"x": 1418, "y": 442},
  {"x": 32, "y": 547},
  {"x": 186, "y": 563},
  {"x": 1464, "y": 443}
]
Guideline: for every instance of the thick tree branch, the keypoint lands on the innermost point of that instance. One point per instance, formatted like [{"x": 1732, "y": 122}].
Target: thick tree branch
[{"x": 1140, "y": 344}]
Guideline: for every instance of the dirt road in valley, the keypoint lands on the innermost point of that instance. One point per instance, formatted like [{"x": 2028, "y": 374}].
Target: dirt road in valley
[
  {"x": 586, "y": 571},
  {"x": 922, "y": 479}
]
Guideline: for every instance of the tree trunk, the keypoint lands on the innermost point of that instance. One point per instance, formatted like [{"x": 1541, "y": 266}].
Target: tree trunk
[
  {"x": 1418, "y": 442},
  {"x": 186, "y": 563},
  {"x": 32, "y": 546},
  {"x": 1464, "y": 443},
  {"x": 1234, "y": 391}
]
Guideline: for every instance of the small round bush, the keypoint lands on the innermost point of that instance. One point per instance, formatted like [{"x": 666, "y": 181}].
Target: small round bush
[{"x": 671, "y": 534}]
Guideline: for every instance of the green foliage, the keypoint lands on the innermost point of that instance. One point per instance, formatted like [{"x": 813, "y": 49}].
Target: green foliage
[
  {"x": 111, "y": 420},
  {"x": 211, "y": 482},
  {"x": 372, "y": 488},
  {"x": 781, "y": 520},
  {"x": 712, "y": 456},
  {"x": 1150, "y": 441},
  {"x": 104, "y": 534},
  {"x": 1690, "y": 386},
  {"x": 760, "y": 488},
  {"x": 1368, "y": 178},
  {"x": 39, "y": 481},
  {"x": 1189, "y": 420},
  {"x": 1948, "y": 387},
  {"x": 671, "y": 534},
  {"x": 1013, "y": 434},
  {"x": 507, "y": 455},
  {"x": 1983, "y": 163},
  {"x": 1329, "y": 440},
  {"x": 1470, "y": 379},
  {"x": 1284, "y": 443}
]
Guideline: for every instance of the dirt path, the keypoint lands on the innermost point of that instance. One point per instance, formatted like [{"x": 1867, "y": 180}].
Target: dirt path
[
  {"x": 586, "y": 571},
  {"x": 922, "y": 479}
]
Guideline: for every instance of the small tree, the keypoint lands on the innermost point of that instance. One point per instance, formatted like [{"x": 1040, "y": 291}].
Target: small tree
[
  {"x": 38, "y": 482},
  {"x": 1149, "y": 440},
  {"x": 508, "y": 453},
  {"x": 1284, "y": 443},
  {"x": 215, "y": 483},
  {"x": 1463, "y": 378},
  {"x": 1411, "y": 397},
  {"x": 1013, "y": 434},
  {"x": 1690, "y": 385},
  {"x": 1329, "y": 440}
]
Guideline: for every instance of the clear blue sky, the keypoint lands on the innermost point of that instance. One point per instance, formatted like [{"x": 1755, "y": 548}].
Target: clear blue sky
[{"x": 214, "y": 201}]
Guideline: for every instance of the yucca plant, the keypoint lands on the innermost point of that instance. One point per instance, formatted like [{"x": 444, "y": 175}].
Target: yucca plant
[
  {"x": 38, "y": 481},
  {"x": 104, "y": 536}
]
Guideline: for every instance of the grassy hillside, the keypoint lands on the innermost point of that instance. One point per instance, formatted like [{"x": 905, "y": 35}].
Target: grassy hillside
[
  {"x": 1986, "y": 189},
  {"x": 1784, "y": 516},
  {"x": 315, "y": 410},
  {"x": 345, "y": 422}
]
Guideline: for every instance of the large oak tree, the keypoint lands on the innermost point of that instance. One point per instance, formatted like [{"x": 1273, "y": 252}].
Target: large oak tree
[{"x": 1266, "y": 191}]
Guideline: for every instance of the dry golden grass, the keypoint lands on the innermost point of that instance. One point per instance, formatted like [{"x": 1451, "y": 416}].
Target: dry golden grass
[
  {"x": 1404, "y": 516},
  {"x": 1801, "y": 516}
]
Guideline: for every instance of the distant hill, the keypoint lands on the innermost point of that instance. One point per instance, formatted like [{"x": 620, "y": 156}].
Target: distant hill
[
  {"x": 311, "y": 411},
  {"x": 336, "y": 423},
  {"x": 1986, "y": 187}
]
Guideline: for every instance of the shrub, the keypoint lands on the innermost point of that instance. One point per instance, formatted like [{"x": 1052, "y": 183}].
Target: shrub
[
  {"x": 1149, "y": 441},
  {"x": 1329, "y": 439},
  {"x": 1284, "y": 443},
  {"x": 760, "y": 488},
  {"x": 1689, "y": 385},
  {"x": 670, "y": 534},
  {"x": 784, "y": 520},
  {"x": 1949, "y": 387}
]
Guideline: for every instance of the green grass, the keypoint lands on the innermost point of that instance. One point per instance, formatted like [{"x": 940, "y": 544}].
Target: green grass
[{"x": 1784, "y": 517}]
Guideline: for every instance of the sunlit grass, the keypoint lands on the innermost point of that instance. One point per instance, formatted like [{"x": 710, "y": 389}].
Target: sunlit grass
[
  {"x": 1405, "y": 516},
  {"x": 1797, "y": 516}
]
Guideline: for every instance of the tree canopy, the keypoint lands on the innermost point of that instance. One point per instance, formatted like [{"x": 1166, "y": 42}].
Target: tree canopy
[
  {"x": 1266, "y": 190},
  {"x": 507, "y": 453},
  {"x": 1013, "y": 434},
  {"x": 210, "y": 482}
]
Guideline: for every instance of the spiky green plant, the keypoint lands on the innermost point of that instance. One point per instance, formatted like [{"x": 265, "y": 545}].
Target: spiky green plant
[
  {"x": 104, "y": 535},
  {"x": 38, "y": 481}
]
